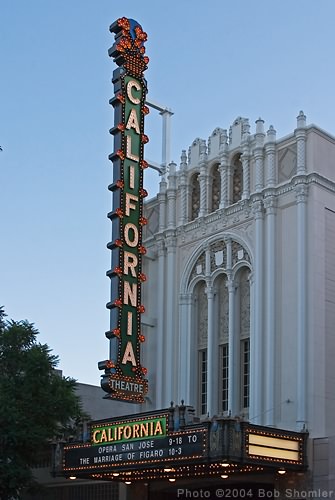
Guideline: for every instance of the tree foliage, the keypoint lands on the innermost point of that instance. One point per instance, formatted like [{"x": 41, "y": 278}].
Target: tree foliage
[{"x": 35, "y": 402}]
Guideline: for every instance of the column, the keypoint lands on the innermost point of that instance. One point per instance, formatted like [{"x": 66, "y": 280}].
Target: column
[
  {"x": 300, "y": 133},
  {"x": 301, "y": 195},
  {"x": 224, "y": 180},
  {"x": 183, "y": 189},
  {"x": 171, "y": 197},
  {"x": 212, "y": 351},
  {"x": 257, "y": 340},
  {"x": 232, "y": 365},
  {"x": 232, "y": 386},
  {"x": 270, "y": 298},
  {"x": 160, "y": 334},
  {"x": 162, "y": 204},
  {"x": 186, "y": 349},
  {"x": 170, "y": 326},
  {"x": 252, "y": 406},
  {"x": 270, "y": 152},
  {"x": 203, "y": 190},
  {"x": 246, "y": 171},
  {"x": 258, "y": 154}
]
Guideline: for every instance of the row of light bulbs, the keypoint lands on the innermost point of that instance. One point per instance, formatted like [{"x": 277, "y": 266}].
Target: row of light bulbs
[{"x": 280, "y": 471}]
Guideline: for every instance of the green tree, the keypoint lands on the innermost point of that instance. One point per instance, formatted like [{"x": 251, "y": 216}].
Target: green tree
[{"x": 35, "y": 403}]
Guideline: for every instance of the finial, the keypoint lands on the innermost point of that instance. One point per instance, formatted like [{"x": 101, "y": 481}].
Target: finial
[
  {"x": 259, "y": 126},
  {"x": 271, "y": 134},
  {"x": 183, "y": 160},
  {"x": 301, "y": 120}
]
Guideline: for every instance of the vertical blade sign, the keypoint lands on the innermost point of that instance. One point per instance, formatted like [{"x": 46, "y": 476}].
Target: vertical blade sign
[{"x": 124, "y": 377}]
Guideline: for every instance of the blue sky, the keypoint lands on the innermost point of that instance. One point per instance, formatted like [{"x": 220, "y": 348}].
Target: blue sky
[{"x": 209, "y": 62}]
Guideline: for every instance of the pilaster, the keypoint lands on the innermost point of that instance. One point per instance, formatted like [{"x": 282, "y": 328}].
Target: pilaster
[
  {"x": 257, "y": 340},
  {"x": 270, "y": 204},
  {"x": 170, "y": 328},
  {"x": 301, "y": 199},
  {"x": 160, "y": 322}
]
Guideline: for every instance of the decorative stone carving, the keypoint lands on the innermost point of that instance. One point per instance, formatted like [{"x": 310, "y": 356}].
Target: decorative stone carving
[
  {"x": 244, "y": 303},
  {"x": 151, "y": 213},
  {"x": 301, "y": 192},
  {"x": 202, "y": 314},
  {"x": 238, "y": 253},
  {"x": 287, "y": 163},
  {"x": 223, "y": 307},
  {"x": 201, "y": 261},
  {"x": 218, "y": 249}
]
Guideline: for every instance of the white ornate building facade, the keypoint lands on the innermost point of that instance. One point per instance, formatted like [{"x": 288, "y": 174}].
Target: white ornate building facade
[{"x": 240, "y": 297}]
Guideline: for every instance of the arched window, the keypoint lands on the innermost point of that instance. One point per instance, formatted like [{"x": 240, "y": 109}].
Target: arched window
[
  {"x": 237, "y": 186},
  {"x": 195, "y": 196},
  {"x": 229, "y": 350},
  {"x": 216, "y": 189}
]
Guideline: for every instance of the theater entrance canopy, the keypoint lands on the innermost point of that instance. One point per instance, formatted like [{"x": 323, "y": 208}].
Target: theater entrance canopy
[{"x": 171, "y": 444}]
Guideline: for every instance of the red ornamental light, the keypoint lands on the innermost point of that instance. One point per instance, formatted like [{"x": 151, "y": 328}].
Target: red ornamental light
[
  {"x": 123, "y": 22},
  {"x": 143, "y": 193},
  {"x": 118, "y": 302},
  {"x": 120, "y": 154},
  {"x": 142, "y": 250},
  {"x": 144, "y": 164},
  {"x": 141, "y": 308},
  {"x": 121, "y": 98},
  {"x": 142, "y": 221},
  {"x": 119, "y": 212},
  {"x": 142, "y": 277}
]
